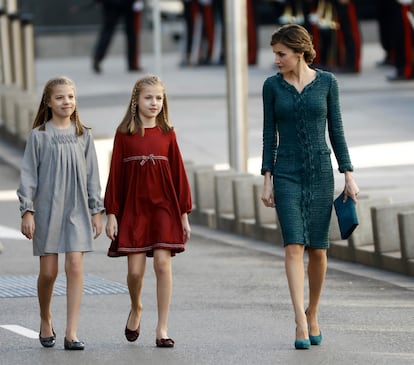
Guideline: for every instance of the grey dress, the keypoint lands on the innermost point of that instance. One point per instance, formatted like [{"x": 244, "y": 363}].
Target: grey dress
[
  {"x": 60, "y": 184},
  {"x": 297, "y": 155}
]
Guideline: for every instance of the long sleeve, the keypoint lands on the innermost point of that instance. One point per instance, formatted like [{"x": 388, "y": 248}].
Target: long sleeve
[
  {"x": 335, "y": 128},
  {"x": 269, "y": 129},
  {"x": 179, "y": 176},
  {"x": 92, "y": 170},
  {"x": 113, "y": 193},
  {"x": 29, "y": 175}
]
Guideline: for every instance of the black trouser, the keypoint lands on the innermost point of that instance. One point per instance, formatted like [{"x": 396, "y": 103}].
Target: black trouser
[
  {"x": 111, "y": 15},
  {"x": 402, "y": 34},
  {"x": 384, "y": 17},
  {"x": 349, "y": 27}
]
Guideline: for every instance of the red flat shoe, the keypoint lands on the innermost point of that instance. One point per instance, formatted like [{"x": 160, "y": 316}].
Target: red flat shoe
[
  {"x": 164, "y": 342},
  {"x": 131, "y": 335}
]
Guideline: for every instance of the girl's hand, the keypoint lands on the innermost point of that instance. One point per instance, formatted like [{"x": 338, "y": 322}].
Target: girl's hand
[
  {"x": 111, "y": 228},
  {"x": 186, "y": 226},
  {"x": 97, "y": 224},
  {"x": 28, "y": 225},
  {"x": 351, "y": 189},
  {"x": 267, "y": 196}
]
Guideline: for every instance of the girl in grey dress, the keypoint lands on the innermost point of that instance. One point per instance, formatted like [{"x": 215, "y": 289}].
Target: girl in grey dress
[
  {"x": 60, "y": 201},
  {"x": 299, "y": 104}
]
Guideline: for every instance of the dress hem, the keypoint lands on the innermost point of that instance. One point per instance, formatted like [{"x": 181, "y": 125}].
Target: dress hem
[{"x": 114, "y": 251}]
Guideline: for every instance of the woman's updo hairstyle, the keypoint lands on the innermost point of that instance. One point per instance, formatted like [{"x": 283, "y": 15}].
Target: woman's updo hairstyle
[{"x": 297, "y": 38}]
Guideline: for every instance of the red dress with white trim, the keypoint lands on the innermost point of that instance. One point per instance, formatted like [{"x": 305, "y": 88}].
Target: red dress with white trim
[{"x": 147, "y": 191}]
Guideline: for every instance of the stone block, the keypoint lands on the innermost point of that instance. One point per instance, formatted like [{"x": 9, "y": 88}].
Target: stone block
[
  {"x": 406, "y": 230},
  {"x": 244, "y": 204},
  {"x": 25, "y": 110},
  {"x": 224, "y": 203},
  {"x": 385, "y": 226},
  {"x": 363, "y": 235},
  {"x": 9, "y": 97},
  {"x": 267, "y": 223},
  {"x": 361, "y": 242},
  {"x": 203, "y": 195}
]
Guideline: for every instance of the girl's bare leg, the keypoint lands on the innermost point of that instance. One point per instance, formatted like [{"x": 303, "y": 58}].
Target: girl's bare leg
[
  {"x": 45, "y": 284},
  {"x": 295, "y": 272},
  {"x": 135, "y": 279},
  {"x": 163, "y": 272},
  {"x": 74, "y": 287},
  {"x": 317, "y": 266}
]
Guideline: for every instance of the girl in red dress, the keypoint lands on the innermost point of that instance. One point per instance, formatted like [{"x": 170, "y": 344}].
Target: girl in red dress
[{"x": 147, "y": 200}]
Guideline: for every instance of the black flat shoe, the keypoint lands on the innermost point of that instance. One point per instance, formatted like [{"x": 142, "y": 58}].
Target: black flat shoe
[
  {"x": 131, "y": 335},
  {"x": 74, "y": 345},
  {"x": 96, "y": 67},
  {"x": 164, "y": 342},
  {"x": 48, "y": 341}
]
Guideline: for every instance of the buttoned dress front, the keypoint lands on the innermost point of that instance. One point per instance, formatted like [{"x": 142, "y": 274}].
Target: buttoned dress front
[{"x": 296, "y": 152}]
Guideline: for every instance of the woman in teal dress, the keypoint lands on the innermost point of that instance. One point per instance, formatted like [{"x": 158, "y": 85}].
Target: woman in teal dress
[{"x": 298, "y": 103}]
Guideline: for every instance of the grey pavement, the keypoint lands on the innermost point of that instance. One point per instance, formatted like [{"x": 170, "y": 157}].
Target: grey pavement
[{"x": 230, "y": 302}]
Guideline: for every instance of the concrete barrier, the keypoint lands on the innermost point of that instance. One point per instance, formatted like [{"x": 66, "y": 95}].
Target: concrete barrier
[
  {"x": 361, "y": 243},
  {"x": 9, "y": 98},
  {"x": 224, "y": 200},
  {"x": 25, "y": 111},
  {"x": 17, "y": 72},
  {"x": 387, "y": 235},
  {"x": 406, "y": 230},
  {"x": 203, "y": 195},
  {"x": 267, "y": 223},
  {"x": 244, "y": 205}
]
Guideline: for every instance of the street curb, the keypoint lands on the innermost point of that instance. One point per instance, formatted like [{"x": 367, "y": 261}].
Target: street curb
[{"x": 352, "y": 268}]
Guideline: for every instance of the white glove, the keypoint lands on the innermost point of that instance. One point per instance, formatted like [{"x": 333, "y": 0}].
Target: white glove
[
  {"x": 204, "y": 2},
  {"x": 138, "y": 5}
]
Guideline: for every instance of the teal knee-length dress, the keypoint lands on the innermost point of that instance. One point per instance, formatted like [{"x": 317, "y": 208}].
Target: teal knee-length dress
[{"x": 296, "y": 152}]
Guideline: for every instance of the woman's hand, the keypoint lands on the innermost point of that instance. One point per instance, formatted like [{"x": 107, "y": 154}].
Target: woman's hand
[
  {"x": 28, "y": 225},
  {"x": 351, "y": 189},
  {"x": 111, "y": 228},
  {"x": 97, "y": 224},
  {"x": 186, "y": 226},
  {"x": 267, "y": 196}
]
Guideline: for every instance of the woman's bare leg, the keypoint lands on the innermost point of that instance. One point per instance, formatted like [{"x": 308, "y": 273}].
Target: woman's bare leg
[
  {"x": 135, "y": 279},
  {"x": 45, "y": 284},
  {"x": 295, "y": 272},
  {"x": 317, "y": 266},
  {"x": 163, "y": 272},
  {"x": 74, "y": 288}
]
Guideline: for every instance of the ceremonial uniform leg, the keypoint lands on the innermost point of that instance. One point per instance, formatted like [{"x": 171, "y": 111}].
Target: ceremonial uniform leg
[
  {"x": 403, "y": 40},
  {"x": 349, "y": 28}
]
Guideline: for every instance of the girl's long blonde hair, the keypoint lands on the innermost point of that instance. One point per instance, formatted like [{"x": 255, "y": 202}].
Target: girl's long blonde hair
[
  {"x": 44, "y": 113},
  {"x": 131, "y": 123}
]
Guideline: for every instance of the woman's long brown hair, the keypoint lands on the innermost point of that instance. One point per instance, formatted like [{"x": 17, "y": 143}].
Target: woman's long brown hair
[
  {"x": 131, "y": 123},
  {"x": 44, "y": 113}
]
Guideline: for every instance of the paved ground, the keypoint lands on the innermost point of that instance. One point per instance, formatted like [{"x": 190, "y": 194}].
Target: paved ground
[{"x": 230, "y": 301}]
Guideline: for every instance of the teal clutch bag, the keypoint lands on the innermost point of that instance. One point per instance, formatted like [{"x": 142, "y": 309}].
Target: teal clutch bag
[{"x": 347, "y": 215}]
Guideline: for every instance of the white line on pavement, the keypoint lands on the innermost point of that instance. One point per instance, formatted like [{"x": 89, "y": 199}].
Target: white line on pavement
[
  {"x": 20, "y": 330},
  {"x": 11, "y": 233},
  {"x": 8, "y": 195}
]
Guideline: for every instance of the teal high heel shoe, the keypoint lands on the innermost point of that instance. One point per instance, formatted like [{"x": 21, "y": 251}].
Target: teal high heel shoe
[
  {"x": 302, "y": 344},
  {"x": 316, "y": 340}
]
